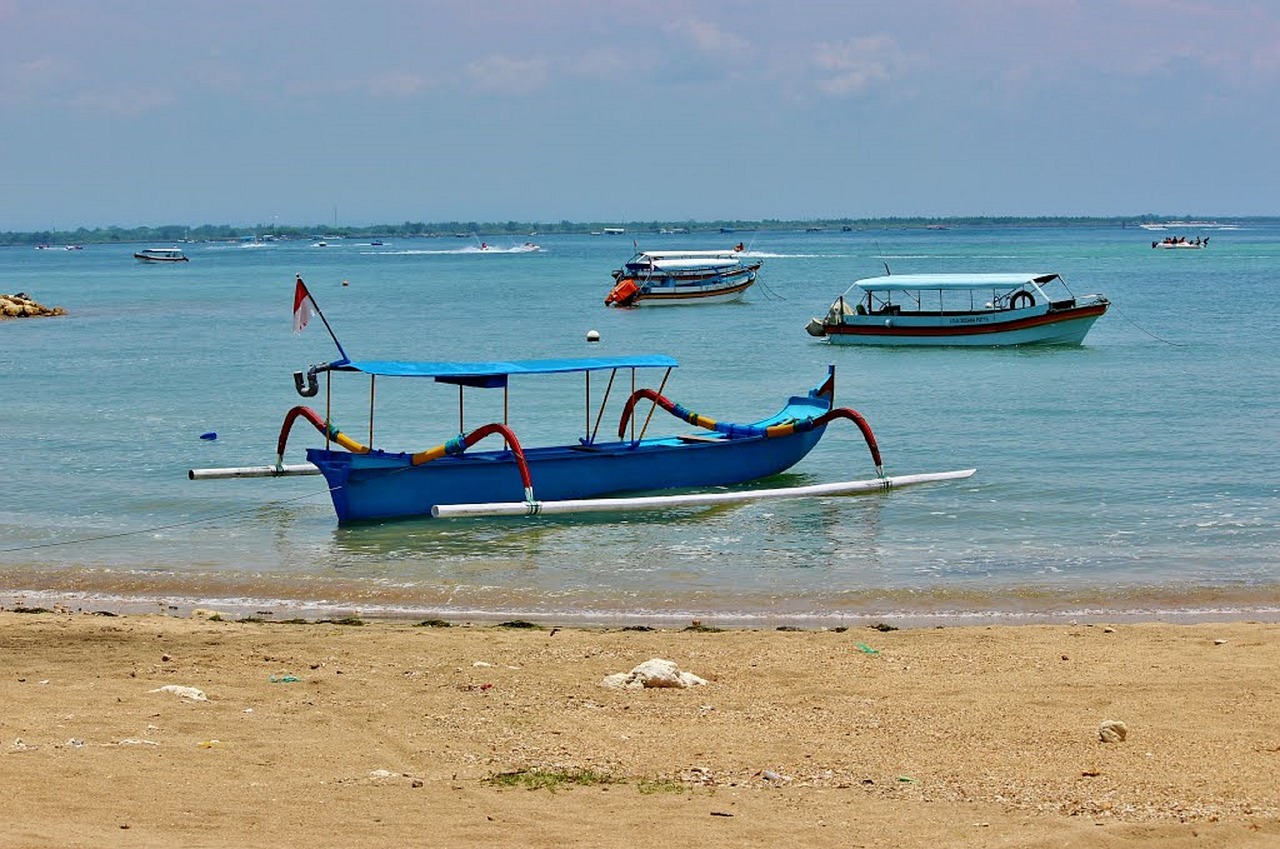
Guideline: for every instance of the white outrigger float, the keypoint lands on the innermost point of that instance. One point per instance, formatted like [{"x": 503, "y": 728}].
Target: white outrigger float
[{"x": 959, "y": 309}]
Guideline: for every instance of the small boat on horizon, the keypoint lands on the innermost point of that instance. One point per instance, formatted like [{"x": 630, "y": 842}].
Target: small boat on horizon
[
  {"x": 1181, "y": 242},
  {"x": 675, "y": 277},
  {"x": 160, "y": 255},
  {"x": 959, "y": 309}
]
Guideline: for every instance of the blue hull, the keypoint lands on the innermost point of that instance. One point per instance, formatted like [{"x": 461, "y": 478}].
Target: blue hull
[{"x": 385, "y": 485}]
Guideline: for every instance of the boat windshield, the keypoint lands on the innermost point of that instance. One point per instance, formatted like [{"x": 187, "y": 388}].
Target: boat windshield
[{"x": 943, "y": 293}]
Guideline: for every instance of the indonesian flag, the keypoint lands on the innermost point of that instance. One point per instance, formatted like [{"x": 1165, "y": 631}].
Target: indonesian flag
[{"x": 303, "y": 306}]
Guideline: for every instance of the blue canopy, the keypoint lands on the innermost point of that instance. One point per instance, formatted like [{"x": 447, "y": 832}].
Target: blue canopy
[{"x": 496, "y": 373}]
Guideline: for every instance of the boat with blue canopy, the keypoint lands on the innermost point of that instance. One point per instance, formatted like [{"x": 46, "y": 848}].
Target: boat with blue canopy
[
  {"x": 1019, "y": 308},
  {"x": 455, "y": 478}
]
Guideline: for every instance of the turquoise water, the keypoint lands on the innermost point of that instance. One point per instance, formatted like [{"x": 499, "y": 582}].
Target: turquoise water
[{"x": 1137, "y": 475}]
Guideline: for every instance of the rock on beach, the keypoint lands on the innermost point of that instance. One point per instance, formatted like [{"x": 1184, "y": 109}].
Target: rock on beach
[
  {"x": 22, "y": 305},
  {"x": 653, "y": 673}
]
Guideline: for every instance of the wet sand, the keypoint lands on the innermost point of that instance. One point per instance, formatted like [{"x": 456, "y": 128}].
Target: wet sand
[{"x": 396, "y": 733}]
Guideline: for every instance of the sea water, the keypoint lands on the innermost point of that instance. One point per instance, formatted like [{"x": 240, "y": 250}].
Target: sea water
[{"x": 1136, "y": 475}]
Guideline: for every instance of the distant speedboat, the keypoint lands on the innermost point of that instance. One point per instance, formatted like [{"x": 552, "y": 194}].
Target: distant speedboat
[
  {"x": 959, "y": 309},
  {"x": 1181, "y": 242},
  {"x": 160, "y": 255},
  {"x": 675, "y": 277}
]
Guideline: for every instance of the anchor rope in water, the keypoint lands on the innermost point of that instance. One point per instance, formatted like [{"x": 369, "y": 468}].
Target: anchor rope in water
[
  {"x": 1144, "y": 330},
  {"x": 169, "y": 526}
]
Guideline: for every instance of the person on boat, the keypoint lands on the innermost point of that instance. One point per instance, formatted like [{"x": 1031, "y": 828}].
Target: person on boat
[
  {"x": 484, "y": 246},
  {"x": 739, "y": 248}
]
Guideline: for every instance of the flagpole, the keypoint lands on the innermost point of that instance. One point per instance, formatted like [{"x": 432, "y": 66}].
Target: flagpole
[{"x": 320, "y": 313}]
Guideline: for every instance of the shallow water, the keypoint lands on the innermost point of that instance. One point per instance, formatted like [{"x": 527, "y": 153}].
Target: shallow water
[{"x": 1136, "y": 475}]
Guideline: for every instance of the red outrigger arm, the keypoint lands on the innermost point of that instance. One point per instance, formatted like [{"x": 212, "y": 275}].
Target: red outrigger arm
[
  {"x": 461, "y": 443},
  {"x": 330, "y": 432},
  {"x": 453, "y": 447},
  {"x": 737, "y": 430}
]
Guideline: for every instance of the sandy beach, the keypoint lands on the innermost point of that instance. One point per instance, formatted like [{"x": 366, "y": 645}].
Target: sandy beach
[{"x": 145, "y": 730}]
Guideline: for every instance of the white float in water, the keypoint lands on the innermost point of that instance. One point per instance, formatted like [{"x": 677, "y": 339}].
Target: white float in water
[
  {"x": 287, "y": 470},
  {"x": 700, "y": 499}
]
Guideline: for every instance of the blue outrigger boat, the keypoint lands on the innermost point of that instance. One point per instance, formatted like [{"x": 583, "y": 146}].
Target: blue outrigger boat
[{"x": 451, "y": 479}]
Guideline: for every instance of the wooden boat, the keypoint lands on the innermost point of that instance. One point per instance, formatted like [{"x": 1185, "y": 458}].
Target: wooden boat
[
  {"x": 370, "y": 483},
  {"x": 160, "y": 255},
  {"x": 959, "y": 309},
  {"x": 682, "y": 277}
]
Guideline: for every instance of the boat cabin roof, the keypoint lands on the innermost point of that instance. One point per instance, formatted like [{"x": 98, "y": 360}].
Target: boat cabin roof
[
  {"x": 727, "y": 252},
  {"x": 916, "y": 282},
  {"x": 495, "y": 373}
]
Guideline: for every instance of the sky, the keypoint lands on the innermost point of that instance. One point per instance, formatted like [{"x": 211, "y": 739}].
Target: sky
[{"x": 139, "y": 113}]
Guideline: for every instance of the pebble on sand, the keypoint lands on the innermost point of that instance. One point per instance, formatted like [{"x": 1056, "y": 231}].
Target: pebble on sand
[{"x": 1112, "y": 731}]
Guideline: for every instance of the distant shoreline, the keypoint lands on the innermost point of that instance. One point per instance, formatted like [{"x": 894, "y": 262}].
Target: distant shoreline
[{"x": 172, "y": 233}]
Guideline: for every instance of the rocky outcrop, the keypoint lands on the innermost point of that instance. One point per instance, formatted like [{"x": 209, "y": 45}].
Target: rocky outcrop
[{"x": 22, "y": 306}]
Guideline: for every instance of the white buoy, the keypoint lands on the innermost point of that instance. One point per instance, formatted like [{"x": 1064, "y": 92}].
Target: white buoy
[
  {"x": 700, "y": 499},
  {"x": 593, "y": 336}
]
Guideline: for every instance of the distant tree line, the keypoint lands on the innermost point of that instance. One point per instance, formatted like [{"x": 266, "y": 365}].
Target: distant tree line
[{"x": 171, "y": 233}]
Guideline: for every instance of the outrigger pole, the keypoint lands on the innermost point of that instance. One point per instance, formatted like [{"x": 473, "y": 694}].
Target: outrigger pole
[
  {"x": 700, "y": 499},
  {"x": 282, "y": 471}
]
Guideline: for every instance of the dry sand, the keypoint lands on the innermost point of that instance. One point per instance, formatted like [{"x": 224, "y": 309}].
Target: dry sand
[{"x": 388, "y": 734}]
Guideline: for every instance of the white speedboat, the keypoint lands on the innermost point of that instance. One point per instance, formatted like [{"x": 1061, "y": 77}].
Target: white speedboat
[
  {"x": 160, "y": 255},
  {"x": 1181, "y": 243}
]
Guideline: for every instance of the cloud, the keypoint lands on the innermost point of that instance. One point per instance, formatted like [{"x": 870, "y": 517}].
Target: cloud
[
  {"x": 708, "y": 38},
  {"x": 397, "y": 84},
  {"x": 31, "y": 79},
  {"x": 505, "y": 75},
  {"x": 122, "y": 103},
  {"x": 602, "y": 64},
  {"x": 853, "y": 67}
]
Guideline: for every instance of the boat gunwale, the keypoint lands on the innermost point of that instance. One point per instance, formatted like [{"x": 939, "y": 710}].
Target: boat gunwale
[{"x": 1046, "y": 318}]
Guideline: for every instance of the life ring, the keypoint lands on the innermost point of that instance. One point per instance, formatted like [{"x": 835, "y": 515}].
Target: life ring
[{"x": 1019, "y": 297}]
